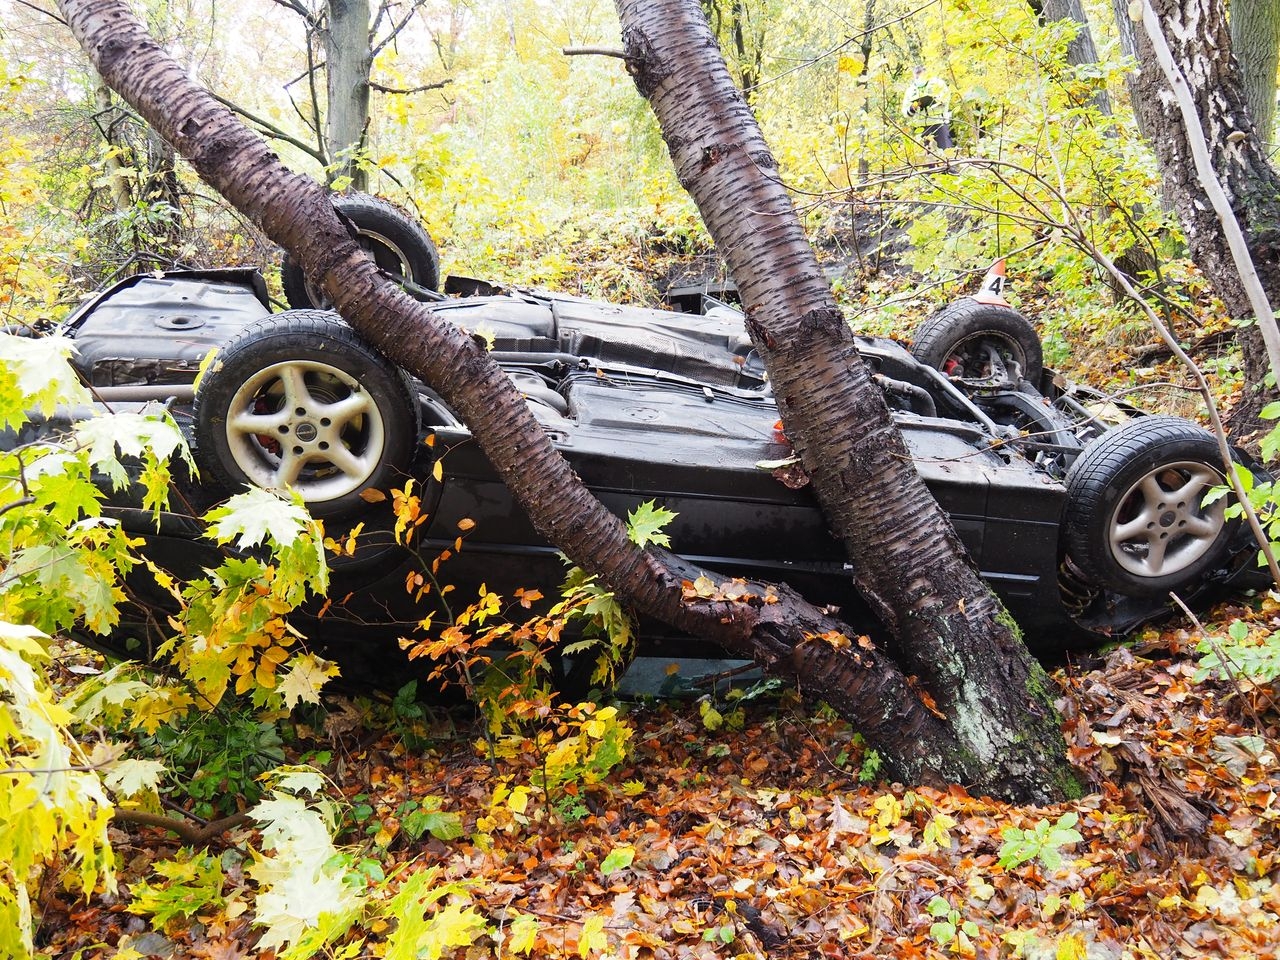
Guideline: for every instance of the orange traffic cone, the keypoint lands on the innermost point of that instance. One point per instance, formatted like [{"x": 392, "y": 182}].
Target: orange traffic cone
[{"x": 993, "y": 285}]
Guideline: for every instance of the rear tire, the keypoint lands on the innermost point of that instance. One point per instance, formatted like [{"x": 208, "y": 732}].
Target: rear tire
[
  {"x": 397, "y": 244},
  {"x": 977, "y": 341}
]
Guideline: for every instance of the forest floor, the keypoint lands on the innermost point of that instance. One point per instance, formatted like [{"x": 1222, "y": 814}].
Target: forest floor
[
  {"x": 757, "y": 838},
  {"x": 760, "y": 829}
]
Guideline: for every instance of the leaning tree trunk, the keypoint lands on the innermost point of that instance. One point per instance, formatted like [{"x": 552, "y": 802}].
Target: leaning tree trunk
[
  {"x": 783, "y": 636},
  {"x": 1198, "y": 37},
  {"x": 949, "y": 628}
]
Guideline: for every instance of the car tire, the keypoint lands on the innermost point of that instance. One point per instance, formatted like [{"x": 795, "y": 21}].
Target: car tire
[
  {"x": 1134, "y": 520},
  {"x": 966, "y": 338},
  {"x": 397, "y": 244},
  {"x": 299, "y": 399}
]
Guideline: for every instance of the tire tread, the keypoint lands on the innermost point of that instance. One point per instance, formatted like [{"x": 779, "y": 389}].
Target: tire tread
[
  {"x": 1092, "y": 487},
  {"x": 936, "y": 334}
]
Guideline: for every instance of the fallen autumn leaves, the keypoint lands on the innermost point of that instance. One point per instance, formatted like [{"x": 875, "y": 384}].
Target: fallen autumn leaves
[{"x": 760, "y": 842}]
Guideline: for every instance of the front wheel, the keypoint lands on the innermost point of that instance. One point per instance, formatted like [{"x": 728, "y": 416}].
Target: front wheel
[
  {"x": 1136, "y": 521},
  {"x": 300, "y": 400}
]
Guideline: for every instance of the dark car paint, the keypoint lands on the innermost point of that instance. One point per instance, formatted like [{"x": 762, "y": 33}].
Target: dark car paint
[{"x": 646, "y": 404}]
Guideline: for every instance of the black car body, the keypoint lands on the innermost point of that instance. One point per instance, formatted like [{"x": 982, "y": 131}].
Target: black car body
[{"x": 674, "y": 407}]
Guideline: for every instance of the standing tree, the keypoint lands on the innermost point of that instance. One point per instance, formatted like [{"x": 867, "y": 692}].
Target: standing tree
[
  {"x": 995, "y": 730},
  {"x": 1199, "y": 39},
  {"x": 349, "y": 60},
  {"x": 1081, "y": 51},
  {"x": 350, "y": 34},
  {"x": 1255, "y": 40}
]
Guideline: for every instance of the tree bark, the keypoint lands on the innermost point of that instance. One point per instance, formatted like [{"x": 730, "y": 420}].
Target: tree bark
[
  {"x": 1081, "y": 51},
  {"x": 1129, "y": 47},
  {"x": 1199, "y": 39},
  {"x": 1012, "y": 750},
  {"x": 949, "y": 628},
  {"x": 1255, "y": 40},
  {"x": 117, "y": 179},
  {"x": 347, "y": 59}
]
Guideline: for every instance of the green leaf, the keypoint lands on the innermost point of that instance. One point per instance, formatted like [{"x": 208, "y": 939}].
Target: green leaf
[
  {"x": 440, "y": 824},
  {"x": 646, "y": 522},
  {"x": 67, "y": 496},
  {"x": 258, "y": 515},
  {"x": 522, "y": 933},
  {"x": 712, "y": 718},
  {"x": 188, "y": 886},
  {"x": 128, "y": 778},
  {"x": 943, "y": 932},
  {"x": 619, "y": 858}
]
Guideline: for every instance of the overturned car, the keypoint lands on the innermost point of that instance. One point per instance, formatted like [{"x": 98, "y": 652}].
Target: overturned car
[{"x": 1083, "y": 528}]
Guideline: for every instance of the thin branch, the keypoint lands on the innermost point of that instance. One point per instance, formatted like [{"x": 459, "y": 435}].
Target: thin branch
[
  {"x": 317, "y": 123},
  {"x": 22, "y": 502},
  {"x": 300, "y": 10},
  {"x": 378, "y": 47},
  {"x": 596, "y": 52},
  {"x": 48, "y": 13},
  {"x": 383, "y": 11},
  {"x": 397, "y": 90},
  {"x": 804, "y": 65},
  {"x": 270, "y": 129}
]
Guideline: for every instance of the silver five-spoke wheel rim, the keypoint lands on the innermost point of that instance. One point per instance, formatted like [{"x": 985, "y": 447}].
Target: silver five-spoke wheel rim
[
  {"x": 1159, "y": 527},
  {"x": 306, "y": 425}
]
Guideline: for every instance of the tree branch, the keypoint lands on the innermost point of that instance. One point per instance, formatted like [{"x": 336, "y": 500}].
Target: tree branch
[
  {"x": 22, "y": 502},
  {"x": 596, "y": 52},
  {"x": 189, "y": 834},
  {"x": 307, "y": 15},
  {"x": 269, "y": 128},
  {"x": 48, "y": 13},
  {"x": 376, "y": 48},
  {"x": 426, "y": 86}
]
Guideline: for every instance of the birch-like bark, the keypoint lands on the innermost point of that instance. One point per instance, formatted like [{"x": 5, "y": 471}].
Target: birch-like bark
[
  {"x": 1012, "y": 751},
  {"x": 949, "y": 628},
  {"x": 1200, "y": 44}
]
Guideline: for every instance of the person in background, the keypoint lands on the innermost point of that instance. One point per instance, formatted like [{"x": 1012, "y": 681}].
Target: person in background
[{"x": 926, "y": 106}]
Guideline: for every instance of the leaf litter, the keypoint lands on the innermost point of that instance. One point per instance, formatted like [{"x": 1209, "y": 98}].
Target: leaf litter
[{"x": 758, "y": 839}]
